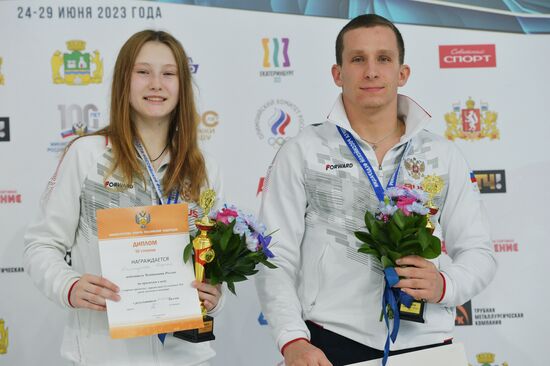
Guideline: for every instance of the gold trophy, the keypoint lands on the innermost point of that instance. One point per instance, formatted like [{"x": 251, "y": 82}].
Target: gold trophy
[
  {"x": 204, "y": 254},
  {"x": 431, "y": 184}
]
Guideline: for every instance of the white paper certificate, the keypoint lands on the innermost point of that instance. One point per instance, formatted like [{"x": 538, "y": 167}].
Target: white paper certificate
[{"x": 141, "y": 251}]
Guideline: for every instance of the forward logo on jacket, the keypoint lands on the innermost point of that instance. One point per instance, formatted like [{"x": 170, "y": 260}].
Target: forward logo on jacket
[
  {"x": 338, "y": 166},
  {"x": 116, "y": 186}
]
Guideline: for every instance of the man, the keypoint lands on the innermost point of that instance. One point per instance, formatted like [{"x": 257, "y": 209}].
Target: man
[{"x": 324, "y": 301}]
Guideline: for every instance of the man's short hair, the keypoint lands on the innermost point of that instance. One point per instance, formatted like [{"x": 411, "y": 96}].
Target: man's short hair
[{"x": 369, "y": 21}]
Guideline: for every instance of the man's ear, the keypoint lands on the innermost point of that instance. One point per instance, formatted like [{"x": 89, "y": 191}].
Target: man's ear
[
  {"x": 337, "y": 74},
  {"x": 404, "y": 73}
]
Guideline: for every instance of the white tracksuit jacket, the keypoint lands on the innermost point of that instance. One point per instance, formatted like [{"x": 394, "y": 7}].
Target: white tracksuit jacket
[
  {"x": 66, "y": 221},
  {"x": 316, "y": 195}
]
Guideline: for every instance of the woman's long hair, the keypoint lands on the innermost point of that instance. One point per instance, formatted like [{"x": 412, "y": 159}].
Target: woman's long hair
[{"x": 186, "y": 171}]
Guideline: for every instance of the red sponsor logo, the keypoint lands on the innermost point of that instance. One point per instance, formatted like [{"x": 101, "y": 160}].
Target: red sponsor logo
[
  {"x": 260, "y": 186},
  {"x": 470, "y": 55},
  {"x": 10, "y": 197},
  {"x": 505, "y": 246}
]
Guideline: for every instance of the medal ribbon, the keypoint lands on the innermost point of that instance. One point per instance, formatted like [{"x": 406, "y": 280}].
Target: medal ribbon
[
  {"x": 392, "y": 296},
  {"x": 172, "y": 199},
  {"x": 365, "y": 164}
]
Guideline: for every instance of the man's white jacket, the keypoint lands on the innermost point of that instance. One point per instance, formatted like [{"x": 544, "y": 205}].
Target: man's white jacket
[{"x": 316, "y": 196}]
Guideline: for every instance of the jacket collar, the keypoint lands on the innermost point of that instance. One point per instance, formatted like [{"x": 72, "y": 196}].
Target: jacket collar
[{"x": 415, "y": 117}]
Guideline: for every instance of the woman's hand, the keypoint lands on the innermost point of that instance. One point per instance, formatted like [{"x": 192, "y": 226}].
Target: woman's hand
[
  {"x": 90, "y": 292},
  {"x": 208, "y": 294}
]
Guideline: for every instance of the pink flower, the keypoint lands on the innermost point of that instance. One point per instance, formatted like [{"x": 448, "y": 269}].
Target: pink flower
[
  {"x": 226, "y": 215},
  {"x": 403, "y": 203}
]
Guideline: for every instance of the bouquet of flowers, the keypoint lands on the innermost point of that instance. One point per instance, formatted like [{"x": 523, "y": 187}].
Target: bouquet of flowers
[
  {"x": 400, "y": 227},
  {"x": 239, "y": 243}
]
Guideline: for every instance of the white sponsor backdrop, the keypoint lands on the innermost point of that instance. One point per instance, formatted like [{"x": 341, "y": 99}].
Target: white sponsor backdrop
[{"x": 227, "y": 47}]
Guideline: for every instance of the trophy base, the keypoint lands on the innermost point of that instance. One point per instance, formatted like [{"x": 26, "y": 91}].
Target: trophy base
[
  {"x": 414, "y": 313},
  {"x": 203, "y": 334}
]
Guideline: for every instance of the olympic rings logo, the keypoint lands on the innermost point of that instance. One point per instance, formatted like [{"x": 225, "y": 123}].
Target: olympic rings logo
[{"x": 276, "y": 141}]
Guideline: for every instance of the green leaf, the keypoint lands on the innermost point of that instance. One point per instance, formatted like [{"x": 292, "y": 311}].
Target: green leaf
[
  {"x": 409, "y": 233},
  {"x": 424, "y": 238},
  {"x": 225, "y": 239},
  {"x": 394, "y": 255},
  {"x": 268, "y": 264},
  {"x": 433, "y": 250},
  {"x": 236, "y": 277},
  {"x": 214, "y": 280},
  {"x": 364, "y": 237},
  {"x": 369, "y": 221},
  {"x": 386, "y": 262},
  {"x": 428, "y": 253},
  {"x": 374, "y": 231},
  {"x": 436, "y": 244},
  {"x": 399, "y": 219},
  {"x": 368, "y": 250},
  {"x": 187, "y": 252},
  {"x": 395, "y": 232},
  {"x": 231, "y": 287}
]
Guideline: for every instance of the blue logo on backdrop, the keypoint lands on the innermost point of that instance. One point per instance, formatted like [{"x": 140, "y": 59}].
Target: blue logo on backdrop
[{"x": 261, "y": 319}]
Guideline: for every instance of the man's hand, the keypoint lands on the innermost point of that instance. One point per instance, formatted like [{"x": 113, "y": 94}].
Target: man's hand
[
  {"x": 91, "y": 291},
  {"x": 421, "y": 279},
  {"x": 302, "y": 353}
]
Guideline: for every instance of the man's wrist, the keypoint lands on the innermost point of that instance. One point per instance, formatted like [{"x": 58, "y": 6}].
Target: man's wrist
[
  {"x": 444, "y": 287},
  {"x": 291, "y": 342},
  {"x": 70, "y": 291}
]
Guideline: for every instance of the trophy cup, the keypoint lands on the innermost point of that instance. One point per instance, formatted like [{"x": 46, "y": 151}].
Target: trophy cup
[
  {"x": 431, "y": 184},
  {"x": 204, "y": 254}
]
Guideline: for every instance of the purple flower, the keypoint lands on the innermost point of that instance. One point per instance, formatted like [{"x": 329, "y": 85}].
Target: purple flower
[
  {"x": 387, "y": 209},
  {"x": 419, "y": 195},
  {"x": 395, "y": 192},
  {"x": 240, "y": 226},
  {"x": 418, "y": 208},
  {"x": 263, "y": 244}
]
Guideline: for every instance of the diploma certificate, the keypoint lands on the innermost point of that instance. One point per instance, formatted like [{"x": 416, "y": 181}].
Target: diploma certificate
[{"x": 141, "y": 251}]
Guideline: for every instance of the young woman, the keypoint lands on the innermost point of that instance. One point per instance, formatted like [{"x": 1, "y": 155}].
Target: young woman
[{"x": 152, "y": 135}]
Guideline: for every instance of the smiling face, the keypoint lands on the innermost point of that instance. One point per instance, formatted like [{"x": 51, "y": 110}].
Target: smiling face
[
  {"x": 154, "y": 86},
  {"x": 370, "y": 72}
]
